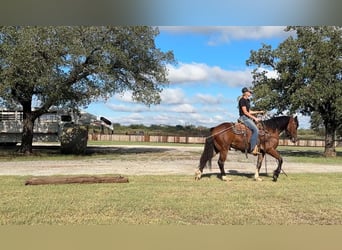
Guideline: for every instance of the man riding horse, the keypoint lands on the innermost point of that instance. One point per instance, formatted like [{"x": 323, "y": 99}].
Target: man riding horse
[
  {"x": 247, "y": 117},
  {"x": 236, "y": 135}
]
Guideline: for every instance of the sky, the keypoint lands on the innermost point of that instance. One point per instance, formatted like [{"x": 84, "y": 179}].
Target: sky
[{"x": 206, "y": 81}]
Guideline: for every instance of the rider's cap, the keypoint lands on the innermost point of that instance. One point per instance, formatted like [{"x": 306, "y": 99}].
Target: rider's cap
[{"x": 246, "y": 90}]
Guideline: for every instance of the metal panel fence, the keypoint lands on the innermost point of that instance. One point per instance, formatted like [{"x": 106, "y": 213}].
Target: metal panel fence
[{"x": 193, "y": 140}]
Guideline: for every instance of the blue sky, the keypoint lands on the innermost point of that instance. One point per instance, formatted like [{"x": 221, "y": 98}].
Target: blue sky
[{"x": 206, "y": 81}]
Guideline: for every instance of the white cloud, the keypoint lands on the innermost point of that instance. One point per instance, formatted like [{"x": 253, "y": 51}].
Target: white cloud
[
  {"x": 182, "y": 108},
  {"x": 149, "y": 119},
  {"x": 195, "y": 72},
  {"x": 133, "y": 118},
  {"x": 177, "y": 107},
  {"x": 200, "y": 119},
  {"x": 172, "y": 96},
  {"x": 202, "y": 73},
  {"x": 125, "y": 97},
  {"x": 233, "y": 31},
  {"x": 269, "y": 73},
  {"x": 208, "y": 99},
  {"x": 127, "y": 108},
  {"x": 224, "y": 34},
  {"x": 304, "y": 121}
]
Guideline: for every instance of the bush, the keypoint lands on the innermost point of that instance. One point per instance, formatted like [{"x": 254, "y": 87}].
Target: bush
[{"x": 74, "y": 139}]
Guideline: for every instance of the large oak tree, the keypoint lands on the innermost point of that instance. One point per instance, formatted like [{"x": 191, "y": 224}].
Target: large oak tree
[
  {"x": 309, "y": 69},
  {"x": 72, "y": 66}
]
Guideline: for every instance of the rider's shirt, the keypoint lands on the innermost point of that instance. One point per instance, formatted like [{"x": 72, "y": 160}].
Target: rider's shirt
[{"x": 244, "y": 102}]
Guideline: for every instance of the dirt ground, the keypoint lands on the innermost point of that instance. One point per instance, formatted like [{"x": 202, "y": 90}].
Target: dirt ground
[{"x": 150, "y": 160}]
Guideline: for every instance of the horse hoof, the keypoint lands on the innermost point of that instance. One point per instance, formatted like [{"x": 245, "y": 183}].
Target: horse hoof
[
  {"x": 258, "y": 179},
  {"x": 275, "y": 178},
  {"x": 198, "y": 175},
  {"x": 197, "y": 178},
  {"x": 225, "y": 178}
]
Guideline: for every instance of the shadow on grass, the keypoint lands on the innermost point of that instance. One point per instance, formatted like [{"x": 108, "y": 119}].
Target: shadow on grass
[
  {"x": 123, "y": 150},
  {"x": 235, "y": 173}
]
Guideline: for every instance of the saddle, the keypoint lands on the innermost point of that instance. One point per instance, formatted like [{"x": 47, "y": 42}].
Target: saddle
[{"x": 239, "y": 128}]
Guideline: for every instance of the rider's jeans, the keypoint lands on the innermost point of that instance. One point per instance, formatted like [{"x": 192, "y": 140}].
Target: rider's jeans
[{"x": 250, "y": 124}]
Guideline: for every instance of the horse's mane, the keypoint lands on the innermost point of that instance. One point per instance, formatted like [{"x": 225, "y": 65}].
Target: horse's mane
[{"x": 279, "y": 122}]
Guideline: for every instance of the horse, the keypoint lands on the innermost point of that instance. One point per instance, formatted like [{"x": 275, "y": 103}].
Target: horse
[{"x": 236, "y": 135}]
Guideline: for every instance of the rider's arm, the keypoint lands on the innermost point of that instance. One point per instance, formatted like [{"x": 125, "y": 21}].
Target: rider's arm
[
  {"x": 249, "y": 114},
  {"x": 256, "y": 112}
]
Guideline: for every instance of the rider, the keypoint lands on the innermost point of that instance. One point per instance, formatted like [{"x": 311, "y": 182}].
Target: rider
[{"x": 247, "y": 117}]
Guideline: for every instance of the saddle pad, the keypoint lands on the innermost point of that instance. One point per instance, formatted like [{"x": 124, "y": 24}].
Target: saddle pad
[{"x": 241, "y": 129}]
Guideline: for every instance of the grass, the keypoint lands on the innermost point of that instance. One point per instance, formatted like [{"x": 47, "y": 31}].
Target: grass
[{"x": 176, "y": 200}]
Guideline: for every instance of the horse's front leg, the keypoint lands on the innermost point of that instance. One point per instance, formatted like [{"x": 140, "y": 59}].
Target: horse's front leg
[
  {"x": 258, "y": 166},
  {"x": 198, "y": 174},
  {"x": 221, "y": 160},
  {"x": 277, "y": 156},
  {"x": 278, "y": 170}
]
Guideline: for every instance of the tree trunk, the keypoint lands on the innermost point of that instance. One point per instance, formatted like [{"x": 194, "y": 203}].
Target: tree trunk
[
  {"x": 27, "y": 135},
  {"x": 330, "y": 150}
]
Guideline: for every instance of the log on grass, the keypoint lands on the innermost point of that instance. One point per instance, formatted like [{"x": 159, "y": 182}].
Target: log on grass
[{"x": 75, "y": 179}]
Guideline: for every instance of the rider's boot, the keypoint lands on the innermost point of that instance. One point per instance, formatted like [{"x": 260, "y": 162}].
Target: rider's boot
[{"x": 256, "y": 150}]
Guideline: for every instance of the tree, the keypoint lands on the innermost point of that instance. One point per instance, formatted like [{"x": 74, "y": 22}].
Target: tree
[
  {"x": 309, "y": 77},
  {"x": 73, "y": 66}
]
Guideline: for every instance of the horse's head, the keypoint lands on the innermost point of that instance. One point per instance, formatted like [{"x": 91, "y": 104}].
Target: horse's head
[{"x": 291, "y": 129}]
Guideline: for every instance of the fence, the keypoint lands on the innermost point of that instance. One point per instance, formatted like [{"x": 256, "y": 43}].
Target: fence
[{"x": 193, "y": 140}]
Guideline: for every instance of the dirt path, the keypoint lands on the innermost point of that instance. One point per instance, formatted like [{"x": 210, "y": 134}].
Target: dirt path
[{"x": 150, "y": 160}]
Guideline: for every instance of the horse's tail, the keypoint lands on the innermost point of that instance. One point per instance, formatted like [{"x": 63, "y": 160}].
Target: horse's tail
[{"x": 208, "y": 153}]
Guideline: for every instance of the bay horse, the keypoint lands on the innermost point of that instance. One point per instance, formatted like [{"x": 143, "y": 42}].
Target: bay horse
[{"x": 236, "y": 135}]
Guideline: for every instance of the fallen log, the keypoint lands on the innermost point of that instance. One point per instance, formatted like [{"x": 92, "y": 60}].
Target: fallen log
[{"x": 75, "y": 179}]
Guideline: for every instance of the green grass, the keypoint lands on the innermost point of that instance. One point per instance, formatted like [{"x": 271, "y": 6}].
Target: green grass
[{"x": 177, "y": 200}]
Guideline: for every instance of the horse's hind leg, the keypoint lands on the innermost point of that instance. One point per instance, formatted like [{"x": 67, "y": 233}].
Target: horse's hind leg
[
  {"x": 221, "y": 160},
  {"x": 207, "y": 155},
  {"x": 199, "y": 171}
]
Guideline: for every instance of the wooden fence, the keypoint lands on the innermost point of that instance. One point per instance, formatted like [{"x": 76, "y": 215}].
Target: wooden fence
[{"x": 192, "y": 140}]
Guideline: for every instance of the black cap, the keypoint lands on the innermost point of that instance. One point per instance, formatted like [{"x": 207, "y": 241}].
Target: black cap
[{"x": 246, "y": 90}]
